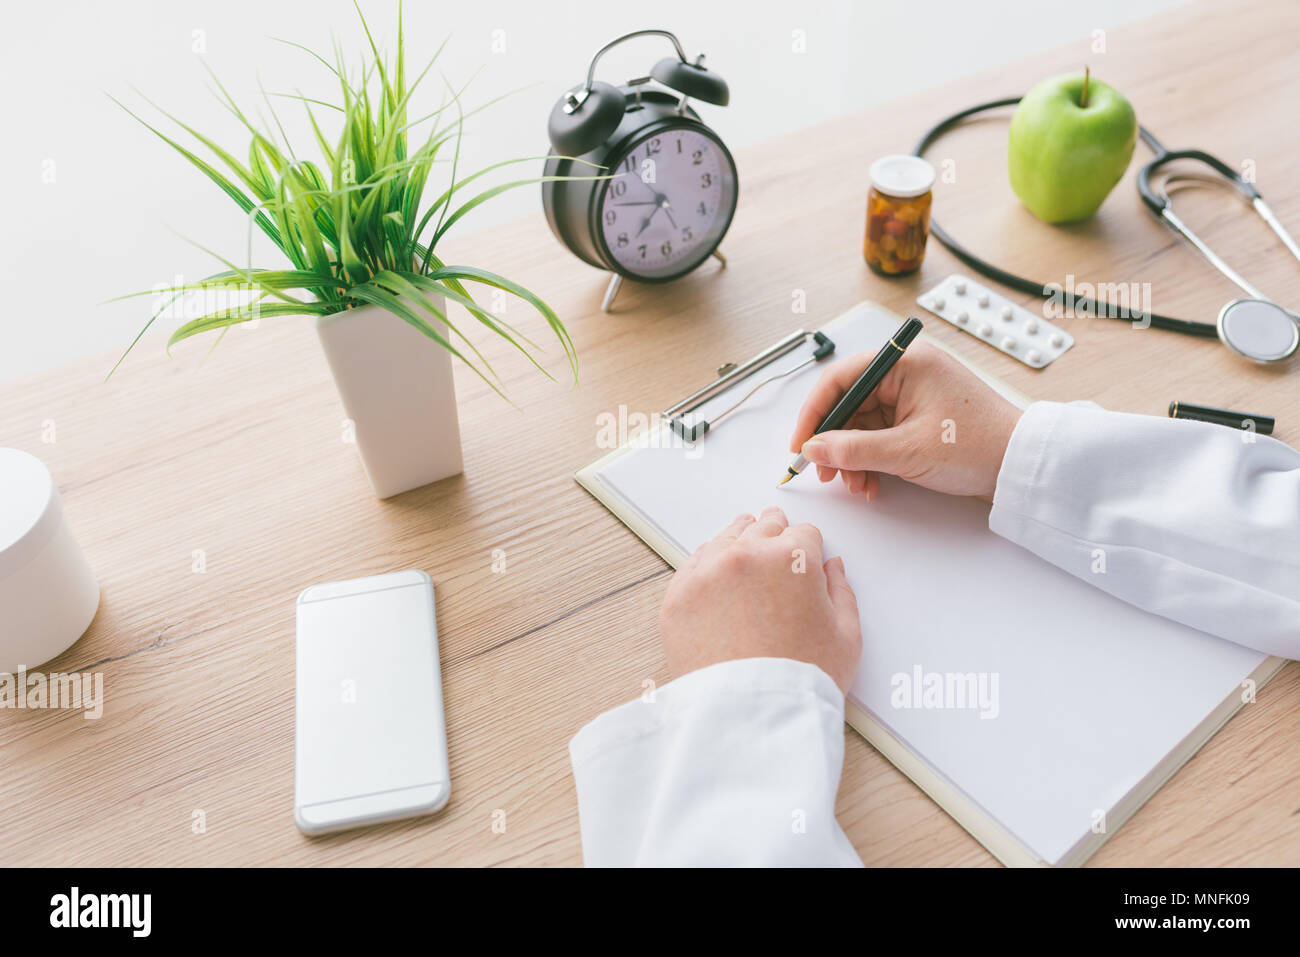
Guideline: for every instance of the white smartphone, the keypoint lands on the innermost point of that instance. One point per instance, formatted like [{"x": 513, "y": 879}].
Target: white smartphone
[{"x": 370, "y": 739}]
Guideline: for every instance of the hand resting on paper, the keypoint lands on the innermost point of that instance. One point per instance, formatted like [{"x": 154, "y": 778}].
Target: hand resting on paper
[
  {"x": 931, "y": 421},
  {"x": 760, "y": 589}
]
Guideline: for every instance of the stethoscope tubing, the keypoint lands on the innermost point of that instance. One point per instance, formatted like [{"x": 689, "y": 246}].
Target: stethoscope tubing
[{"x": 1207, "y": 330}]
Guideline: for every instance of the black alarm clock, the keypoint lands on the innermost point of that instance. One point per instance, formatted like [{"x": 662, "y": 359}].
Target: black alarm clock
[{"x": 667, "y": 191}]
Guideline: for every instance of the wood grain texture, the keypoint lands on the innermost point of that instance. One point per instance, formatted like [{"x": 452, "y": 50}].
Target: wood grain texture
[{"x": 241, "y": 456}]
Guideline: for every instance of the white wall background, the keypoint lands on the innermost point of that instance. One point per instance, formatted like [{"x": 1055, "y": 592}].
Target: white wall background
[{"x": 95, "y": 206}]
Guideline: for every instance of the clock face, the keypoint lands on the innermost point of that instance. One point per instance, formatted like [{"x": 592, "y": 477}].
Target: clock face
[{"x": 669, "y": 203}]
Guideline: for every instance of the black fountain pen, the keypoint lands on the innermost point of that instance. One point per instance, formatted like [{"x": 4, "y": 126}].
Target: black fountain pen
[{"x": 866, "y": 384}]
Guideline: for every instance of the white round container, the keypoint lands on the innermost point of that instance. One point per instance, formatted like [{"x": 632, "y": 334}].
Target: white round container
[{"x": 48, "y": 594}]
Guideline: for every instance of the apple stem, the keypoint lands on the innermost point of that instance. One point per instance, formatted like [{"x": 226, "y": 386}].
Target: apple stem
[{"x": 1083, "y": 97}]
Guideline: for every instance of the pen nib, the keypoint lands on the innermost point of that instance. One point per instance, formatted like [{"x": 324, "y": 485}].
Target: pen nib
[{"x": 789, "y": 475}]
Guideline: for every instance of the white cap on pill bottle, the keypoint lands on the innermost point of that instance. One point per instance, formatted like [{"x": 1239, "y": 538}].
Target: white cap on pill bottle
[{"x": 901, "y": 175}]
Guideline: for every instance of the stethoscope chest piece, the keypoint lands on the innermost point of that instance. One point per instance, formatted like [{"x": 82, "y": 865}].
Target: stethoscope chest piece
[{"x": 1259, "y": 329}]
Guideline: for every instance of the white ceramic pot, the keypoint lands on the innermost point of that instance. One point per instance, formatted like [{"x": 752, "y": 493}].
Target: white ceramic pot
[
  {"x": 397, "y": 388},
  {"x": 48, "y": 594}
]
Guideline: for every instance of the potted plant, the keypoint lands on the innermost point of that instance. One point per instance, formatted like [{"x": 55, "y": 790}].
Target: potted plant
[{"x": 361, "y": 244}]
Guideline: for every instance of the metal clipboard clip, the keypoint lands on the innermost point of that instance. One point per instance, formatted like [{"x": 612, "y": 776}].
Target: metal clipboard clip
[{"x": 731, "y": 373}]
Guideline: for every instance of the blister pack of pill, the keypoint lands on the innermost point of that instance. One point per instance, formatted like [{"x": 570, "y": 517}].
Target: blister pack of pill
[{"x": 993, "y": 318}]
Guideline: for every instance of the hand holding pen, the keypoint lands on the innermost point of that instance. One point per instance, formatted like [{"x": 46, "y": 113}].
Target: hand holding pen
[
  {"x": 863, "y": 386},
  {"x": 930, "y": 420}
]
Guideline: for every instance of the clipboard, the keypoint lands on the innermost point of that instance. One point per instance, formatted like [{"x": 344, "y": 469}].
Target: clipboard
[{"x": 676, "y": 425}]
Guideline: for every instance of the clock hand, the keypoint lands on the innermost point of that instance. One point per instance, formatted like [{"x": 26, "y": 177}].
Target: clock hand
[
  {"x": 634, "y": 204},
  {"x": 646, "y": 222}
]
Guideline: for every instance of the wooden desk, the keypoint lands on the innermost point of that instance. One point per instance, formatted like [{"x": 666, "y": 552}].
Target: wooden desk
[{"x": 241, "y": 457}]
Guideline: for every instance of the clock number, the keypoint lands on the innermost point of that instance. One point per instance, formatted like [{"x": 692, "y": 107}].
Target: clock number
[
  {"x": 619, "y": 188},
  {"x": 679, "y": 145},
  {"x": 706, "y": 180},
  {"x": 666, "y": 249},
  {"x": 697, "y": 157},
  {"x": 703, "y": 210},
  {"x": 652, "y": 147},
  {"x": 687, "y": 236},
  {"x": 610, "y": 216},
  {"x": 622, "y": 240},
  {"x": 630, "y": 162},
  {"x": 642, "y": 250}
]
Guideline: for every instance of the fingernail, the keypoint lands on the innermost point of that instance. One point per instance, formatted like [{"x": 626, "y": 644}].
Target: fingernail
[
  {"x": 814, "y": 450},
  {"x": 743, "y": 517}
]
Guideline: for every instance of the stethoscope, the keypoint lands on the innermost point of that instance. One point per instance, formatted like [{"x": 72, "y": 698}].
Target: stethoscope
[{"x": 1253, "y": 326}]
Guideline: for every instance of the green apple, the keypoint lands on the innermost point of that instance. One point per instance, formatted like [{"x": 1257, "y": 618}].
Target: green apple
[{"x": 1071, "y": 140}]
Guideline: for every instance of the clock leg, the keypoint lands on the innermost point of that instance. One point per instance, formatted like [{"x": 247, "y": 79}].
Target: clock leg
[
  {"x": 615, "y": 282},
  {"x": 717, "y": 254}
]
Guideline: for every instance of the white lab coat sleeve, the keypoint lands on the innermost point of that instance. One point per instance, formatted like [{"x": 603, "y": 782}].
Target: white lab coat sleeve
[
  {"x": 1189, "y": 520},
  {"x": 736, "y": 764}
]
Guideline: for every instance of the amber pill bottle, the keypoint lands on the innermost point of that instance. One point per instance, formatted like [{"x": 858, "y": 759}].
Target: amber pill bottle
[{"x": 898, "y": 214}]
